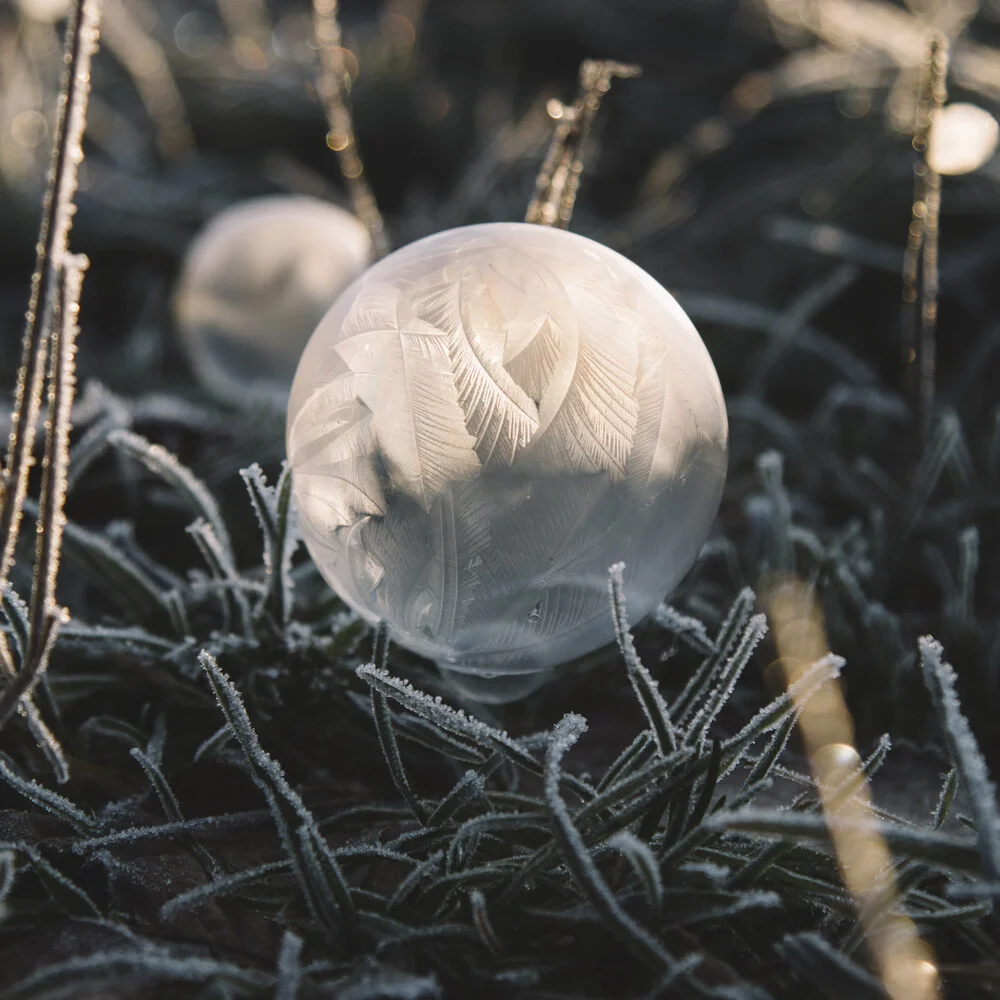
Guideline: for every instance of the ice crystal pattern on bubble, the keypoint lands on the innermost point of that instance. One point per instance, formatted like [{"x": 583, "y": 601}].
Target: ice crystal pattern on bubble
[{"x": 488, "y": 419}]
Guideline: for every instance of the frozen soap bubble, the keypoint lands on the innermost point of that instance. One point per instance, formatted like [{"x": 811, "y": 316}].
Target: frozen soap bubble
[
  {"x": 481, "y": 425},
  {"x": 254, "y": 285}
]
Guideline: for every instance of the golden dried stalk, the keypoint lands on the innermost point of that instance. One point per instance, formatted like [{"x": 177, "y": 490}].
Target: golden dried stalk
[
  {"x": 52, "y": 499},
  {"x": 559, "y": 176},
  {"x": 903, "y": 961},
  {"x": 340, "y": 137},
  {"x": 920, "y": 262},
  {"x": 49, "y": 339},
  {"x": 57, "y": 219},
  {"x": 45, "y": 616}
]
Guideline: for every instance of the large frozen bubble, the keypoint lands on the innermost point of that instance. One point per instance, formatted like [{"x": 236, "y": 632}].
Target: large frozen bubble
[
  {"x": 481, "y": 425},
  {"x": 255, "y": 283}
]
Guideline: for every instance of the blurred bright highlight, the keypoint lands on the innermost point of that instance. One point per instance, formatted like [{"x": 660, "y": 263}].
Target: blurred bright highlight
[
  {"x": 901, "y": 959},
  {"x": 963, "y": 137}
]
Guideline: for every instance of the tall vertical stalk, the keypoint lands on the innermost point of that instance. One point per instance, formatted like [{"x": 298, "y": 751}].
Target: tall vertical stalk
[
  {"x": 57, "y": 220},
  {"x": 49, "y": 338},
  {"x": 559, "y": 175},
  {"x": 920, "y": 263},
  {"x": 340, "y": 137},
  {"x": 45, "y": 616}
]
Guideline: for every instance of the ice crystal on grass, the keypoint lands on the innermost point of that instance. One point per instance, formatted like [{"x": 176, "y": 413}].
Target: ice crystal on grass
[
  {"x": 940, "y": 679},
  {"x": 315, "y": 866},
  {"x": 581, "y": 865}
]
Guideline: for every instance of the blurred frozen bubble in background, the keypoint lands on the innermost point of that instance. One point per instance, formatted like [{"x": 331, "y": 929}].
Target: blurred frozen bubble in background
[{"x": 255, "y": 283}]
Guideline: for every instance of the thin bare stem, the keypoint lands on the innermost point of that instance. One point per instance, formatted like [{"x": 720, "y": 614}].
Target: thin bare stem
[
  {"x": 57, "y": 215},
  {"x": 61, "y": 390},
  {"x": 44, "y": 616},
  {"x": 559, "y": 176},
  {"x": 340, "y": 137},
  {"x": 920, "y": 263},
  {"x": 54, "y": 300}
]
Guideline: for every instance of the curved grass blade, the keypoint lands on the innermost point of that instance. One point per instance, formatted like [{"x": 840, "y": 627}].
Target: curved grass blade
[{"x": 315, "y": 866}]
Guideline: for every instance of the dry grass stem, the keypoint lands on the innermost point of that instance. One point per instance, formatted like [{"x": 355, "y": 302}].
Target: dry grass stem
[
  {"x": 45, "y": 616},
  {"x": 920, "y": 263},
  {"x": 559, "y": 176},
  {"x": 57, "y": 219},
  {"x": 61, "y": 391},
  {"x": 49, "y": 339},
  {"x": 330, "y": 85}
]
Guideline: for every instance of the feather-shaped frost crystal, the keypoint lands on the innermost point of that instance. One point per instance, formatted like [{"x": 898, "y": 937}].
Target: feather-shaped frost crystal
[
  {"x": 255, "y": 283},
  {"x": 482, "y": 424}
]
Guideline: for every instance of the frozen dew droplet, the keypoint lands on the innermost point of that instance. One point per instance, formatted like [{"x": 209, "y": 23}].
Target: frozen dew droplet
[
  {"x": 836, "y": 760},
  {"x": 495, "y": 415},
  {"x": 254, "y": 285},
  {"x": 963, "y": 137}
]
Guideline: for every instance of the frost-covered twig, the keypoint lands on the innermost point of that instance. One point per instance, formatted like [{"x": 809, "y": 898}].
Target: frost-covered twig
[
  {"x": 904, "y": 962},
  {"x": 44, "y": 616},
  {"x": 23, "y": 683},
  {"x": 57, "y": 216},
  {"x": 61, "y": 390},
  {"x": 55, "y": 294}
]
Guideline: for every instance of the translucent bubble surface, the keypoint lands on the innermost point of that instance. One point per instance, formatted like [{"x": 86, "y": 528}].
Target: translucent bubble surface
[
  {"x": 254, "y": 285},
  {"x": 482, "y": 424}
]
